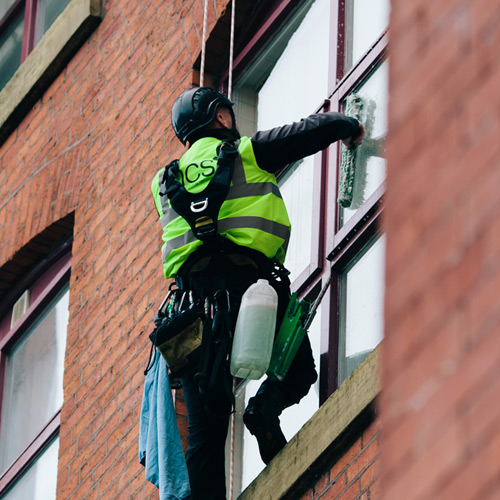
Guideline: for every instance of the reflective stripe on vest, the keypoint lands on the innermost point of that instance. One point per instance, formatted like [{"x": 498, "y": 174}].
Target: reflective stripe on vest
[
  {"x": 232, "y": 223},
  {"x": 249, "y": 226}
]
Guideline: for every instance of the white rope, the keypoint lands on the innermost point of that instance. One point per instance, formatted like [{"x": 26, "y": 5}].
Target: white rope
[
  {"x": 203, "y": 44},
  {"x": 231, "y": 50}
]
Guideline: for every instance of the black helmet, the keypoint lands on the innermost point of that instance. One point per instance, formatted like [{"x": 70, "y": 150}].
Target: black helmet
[{"x": 195, "y": 108}]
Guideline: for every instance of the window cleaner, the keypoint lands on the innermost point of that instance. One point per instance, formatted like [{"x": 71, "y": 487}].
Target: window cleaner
[
  {"x": 353, "y": 108},
  {"x": 298, "y": 318}
]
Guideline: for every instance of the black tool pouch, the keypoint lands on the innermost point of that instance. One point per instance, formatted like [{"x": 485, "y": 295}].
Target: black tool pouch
[{"x": 178, "y": 332}]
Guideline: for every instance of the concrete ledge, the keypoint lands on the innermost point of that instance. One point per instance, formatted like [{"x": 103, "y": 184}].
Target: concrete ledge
[
  {"x": 285, "y": 476},
  {"x": 45, "y": 62}
]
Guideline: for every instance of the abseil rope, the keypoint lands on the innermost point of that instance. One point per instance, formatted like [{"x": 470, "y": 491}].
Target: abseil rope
[
  {"x": 231, "y": 47},
  {"x": 231, "y": 50},
  {"x": 203, "y": 43}
]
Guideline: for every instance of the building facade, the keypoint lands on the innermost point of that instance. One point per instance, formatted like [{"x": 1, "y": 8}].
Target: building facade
[
  {"x": 86, "y": 89},
  {"x": 86, "y": 124}
]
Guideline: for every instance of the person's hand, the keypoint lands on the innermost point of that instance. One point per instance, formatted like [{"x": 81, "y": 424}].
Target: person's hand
[{"x": 354, "y": 141}]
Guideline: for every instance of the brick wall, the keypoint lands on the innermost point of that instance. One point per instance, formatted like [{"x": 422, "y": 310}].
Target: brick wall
[
  {"x": 90, "y": 147},
  {"x": 355, "y": 476},
  {"x": 441, "y": 353}
]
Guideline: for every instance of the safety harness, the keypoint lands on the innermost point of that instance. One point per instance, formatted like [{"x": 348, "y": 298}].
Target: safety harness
[
  {"x": 177, "y": 335},
  {"x": 201, "y": 210}
]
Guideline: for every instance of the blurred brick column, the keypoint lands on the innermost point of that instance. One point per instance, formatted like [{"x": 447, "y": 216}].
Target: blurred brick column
[{"x": 441, "y": 354}]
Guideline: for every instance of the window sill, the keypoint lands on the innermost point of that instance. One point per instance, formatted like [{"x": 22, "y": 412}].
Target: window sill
[
  {"x": 302, "y": 457},
  {"x": 46, "y": 61}
]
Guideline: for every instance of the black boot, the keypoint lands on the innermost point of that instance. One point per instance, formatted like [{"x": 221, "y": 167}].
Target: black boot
[{"x": 261, "y": 418}]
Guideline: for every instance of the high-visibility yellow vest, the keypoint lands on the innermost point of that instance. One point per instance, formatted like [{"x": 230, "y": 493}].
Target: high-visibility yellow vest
[{"x": 253, "y": 214}]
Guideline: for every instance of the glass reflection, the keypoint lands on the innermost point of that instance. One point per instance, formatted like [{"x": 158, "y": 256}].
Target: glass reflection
[
  {"x": 11, "y": 42},
  {"x": 366, "y": 20},
  {"x": 39, "y": 482},
  {"x": 361, "y": 306},
  {"x": 33, "y": 390}
]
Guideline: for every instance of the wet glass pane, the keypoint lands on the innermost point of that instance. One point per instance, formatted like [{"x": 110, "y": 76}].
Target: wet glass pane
[
  {"x": 366, "y": 20},
  {"x": 48, "y": 11},
  {"x": 33, "y": 390},
  {"x": 370, "y": 164},
  {"x": 361, "y": 306},
  {"x": 39, "y": 482},
  {"x": 10, "y": 49}
]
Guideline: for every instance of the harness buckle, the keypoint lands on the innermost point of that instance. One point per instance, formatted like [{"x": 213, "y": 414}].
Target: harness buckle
[{"x": 199, "y": 206}]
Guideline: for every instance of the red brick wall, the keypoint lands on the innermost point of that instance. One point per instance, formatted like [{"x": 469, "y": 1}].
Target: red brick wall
[
  {"x": 355, "y": 476},
  {"x": 91, "y": 146},
  {"x": 441, "y": 353}
]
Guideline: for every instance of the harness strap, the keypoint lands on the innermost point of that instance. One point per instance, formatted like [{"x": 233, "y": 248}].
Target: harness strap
[
  {"x": 205, "y": 351},
  {"x": 214, "y": 354},
  {"x": 201, "y": 210}
]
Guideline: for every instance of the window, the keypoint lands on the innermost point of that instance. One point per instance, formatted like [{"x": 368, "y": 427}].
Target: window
[
  {"x": 361, "y": 306},
  {"x": 37, "y": 39},
  {"x": 311, "y": 61},
  {"x": 32, "y": 350},
  {"x": 22, "y": 24}
]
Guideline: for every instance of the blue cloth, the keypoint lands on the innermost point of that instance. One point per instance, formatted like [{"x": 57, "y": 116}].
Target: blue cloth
[{"x": 160, "y": 447}]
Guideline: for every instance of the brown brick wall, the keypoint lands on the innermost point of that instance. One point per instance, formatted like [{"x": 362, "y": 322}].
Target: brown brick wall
[
  {"x": 355, "y": 476},
  {"x": 91, "y": 146},
  {"x": 441, "y": 354}
]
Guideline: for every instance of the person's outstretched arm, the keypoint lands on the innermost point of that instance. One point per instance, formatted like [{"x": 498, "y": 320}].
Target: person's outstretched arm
[{"x": 280, "y": 146}]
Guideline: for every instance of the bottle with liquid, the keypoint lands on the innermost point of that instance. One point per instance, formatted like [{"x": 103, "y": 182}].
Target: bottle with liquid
[{"x": 254, "y": 332}]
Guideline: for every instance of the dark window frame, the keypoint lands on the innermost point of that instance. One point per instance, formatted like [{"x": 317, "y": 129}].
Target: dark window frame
[
  {"x": 51, "y": 281},
  {"x": 30, "y": 16},
  {"x": 336, "y": 245}
]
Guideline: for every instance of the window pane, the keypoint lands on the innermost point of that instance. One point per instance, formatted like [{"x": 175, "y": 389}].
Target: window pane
[
  {"x": 278, "y": 88},
  {"x": 5, "y": 5},
  {"x": 10, "y": 49},
  {"x": 297, "y": 184},
  {"x": 287, "y": 96},
  {"x": 48, "y": 11},
  {"x": 366, "y": 20},
  {"x": 39, "y": 482},
  {"x": 33, "y": 382},
  {"x": 291, "y": 92},
  {"x": 361, "y": 306},
  {"x": 370, "y": 169}
]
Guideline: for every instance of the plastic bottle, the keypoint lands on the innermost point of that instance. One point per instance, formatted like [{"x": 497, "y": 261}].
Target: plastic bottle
[{"x": 254, "y": 332}]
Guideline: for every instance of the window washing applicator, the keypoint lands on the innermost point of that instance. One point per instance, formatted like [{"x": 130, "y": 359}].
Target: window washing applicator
[{"x": 354, "y": 109}]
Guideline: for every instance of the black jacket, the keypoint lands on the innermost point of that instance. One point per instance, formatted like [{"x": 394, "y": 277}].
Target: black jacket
[{"x": 276, "y": 148}]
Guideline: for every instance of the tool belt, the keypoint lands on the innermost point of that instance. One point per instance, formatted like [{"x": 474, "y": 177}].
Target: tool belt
[
  {"x": 195, "y": 322},
  {"x": 195, "y": 333},
  {"x": 178, "y": 331}
]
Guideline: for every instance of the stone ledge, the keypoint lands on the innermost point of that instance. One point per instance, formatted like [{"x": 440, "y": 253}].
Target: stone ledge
[
  {"x": 297, "y": 463},
  {"x": 46, "y": 61}
]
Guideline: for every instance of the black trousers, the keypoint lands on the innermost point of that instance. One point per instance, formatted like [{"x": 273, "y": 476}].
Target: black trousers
[{"x": 207, "y": 432}]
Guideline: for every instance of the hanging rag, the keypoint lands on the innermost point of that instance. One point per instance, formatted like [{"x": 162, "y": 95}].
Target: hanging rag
[{"x": 160, "y": 447}]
